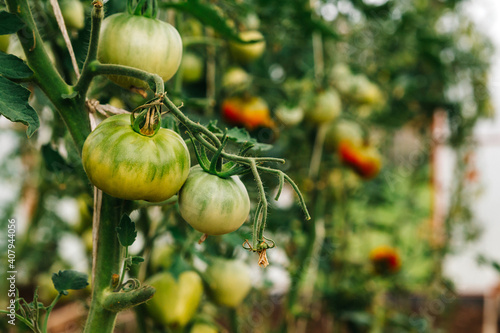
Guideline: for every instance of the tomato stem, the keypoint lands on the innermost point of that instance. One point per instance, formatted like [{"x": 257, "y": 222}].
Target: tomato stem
[{"x": 86, "y": 77}]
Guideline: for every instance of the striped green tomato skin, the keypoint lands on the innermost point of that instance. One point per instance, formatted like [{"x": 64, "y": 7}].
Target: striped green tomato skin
[
  {"x": 128, "y": 165},
  {"x": 213, "y": 205},
  {"x": 144, "y": 43}
]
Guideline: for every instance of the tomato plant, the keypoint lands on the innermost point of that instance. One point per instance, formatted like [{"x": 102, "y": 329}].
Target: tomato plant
[{"x": 369, "y": 78}]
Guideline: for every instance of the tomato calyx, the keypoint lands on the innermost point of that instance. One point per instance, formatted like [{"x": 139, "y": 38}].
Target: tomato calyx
[
  {"x": 148, "y": 121},
  {"x": 146, "y": 8}
]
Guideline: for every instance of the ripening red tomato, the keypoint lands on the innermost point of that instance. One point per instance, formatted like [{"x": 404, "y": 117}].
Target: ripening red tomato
[
  {"x": 385, "y": 259},
  {"x": 250, "y": 112},
  {"x": 364, "y": 160}
]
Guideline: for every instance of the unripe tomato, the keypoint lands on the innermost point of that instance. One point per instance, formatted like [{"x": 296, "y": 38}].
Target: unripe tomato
[
  {"x": 213, "y": 205},
  {"x": 289, "y": 116},
  {"x": 144, "y": 43},
  {"x": 235, "y": 77},
  {"x": 364, "y": 91},
  {"x": 385, "y": 260},
  {"x": 175, "y": 302},
  {"x": 4, "y": 42},
  {"x": 365, "y": 160},
  {"x": 246, "y": 53},
  {"x": 343, "y": 130},
  {"x": 73, "y": 14},
  {"x": 251, "y": 112},
  {"x": 339, "y": 75},
  {"x": 128, "y": 165},
  {"x": 229, "y": 281},
  {"x": 191, "y": 67},
  {"x": 326, "y": 107},
  {"x": 203, "y": 328},
  {"x": 162, "y": 257}
]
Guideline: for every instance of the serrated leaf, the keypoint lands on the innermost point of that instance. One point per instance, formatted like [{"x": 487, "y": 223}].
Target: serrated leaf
[
  {"x": 241, "y": 136},
  {"x": 208, "y": 15},
  {"x": 14, "y": 105},
  {"x": 69, "y": 279},
  {"x": 9, "y": 23},
  {"x": 14, "y": 67},
  {"x": 126, "y": 231}
]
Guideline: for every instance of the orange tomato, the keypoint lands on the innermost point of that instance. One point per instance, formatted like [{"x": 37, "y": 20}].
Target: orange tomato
[
  {"x": 385, "y": 259},
  {"x": 364, "y": 160},
  {"x": 250, "y": 112}
]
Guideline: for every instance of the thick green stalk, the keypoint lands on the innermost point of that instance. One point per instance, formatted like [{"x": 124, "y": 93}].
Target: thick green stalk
[
  {"x": 46, "y": 76},
  {"x": 108, "y": 254}
]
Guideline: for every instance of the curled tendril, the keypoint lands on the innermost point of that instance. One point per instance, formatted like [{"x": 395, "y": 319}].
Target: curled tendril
[{"x": 131, "y": 284}]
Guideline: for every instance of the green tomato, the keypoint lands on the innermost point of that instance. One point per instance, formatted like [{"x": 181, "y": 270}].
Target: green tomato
[
  {"x": 343, "y": 130},
  {"x": 162, "y": 257},
  {"x": 246, "y": 53},
  {"x": 191, "y": 67},
  {"x": 289, "y": 116},
  {"x": 140, "y": 42},
  {"x": 326, "y": 107},
  {"x": 229, "y": 281},
  {"x": 128, "y": 165},
  {"x": 235, "y": 78},
  {"x": 203, "y": 328},
  {"x": 175, "y": 302},
  {"x": 73, "y": 14},
  {"x": 4, "y": 42},
  {"x": 213, "y": 205}
]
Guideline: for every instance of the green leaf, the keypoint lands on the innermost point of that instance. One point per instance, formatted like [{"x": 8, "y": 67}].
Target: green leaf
[
  {"x": 241, "y": 136},
  {"x": 9, "y": 23},
  {"x": 14, "y": 67},
  {"x": 136, "y": 260},
  {"x": 69, "y": 279},
  {"x": 14, "y": 105},
  {"x": 208, "y": 15},
  {"x": 126, "y": 231},
  {"x": 53, "y": 160}
]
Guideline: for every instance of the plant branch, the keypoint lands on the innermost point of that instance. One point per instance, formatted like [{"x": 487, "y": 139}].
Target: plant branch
[
  {"x": 49, "y": 310},
  {"x": 83, "y": 83},
  {"x": 46, "y": 76},
  {"x": 22, "y": 319},
  {"x": 262, "y": 215}
]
